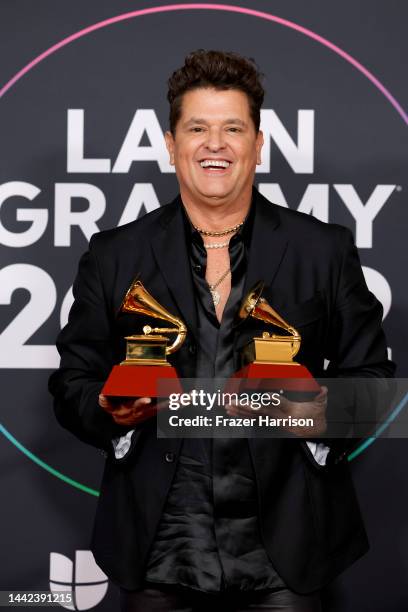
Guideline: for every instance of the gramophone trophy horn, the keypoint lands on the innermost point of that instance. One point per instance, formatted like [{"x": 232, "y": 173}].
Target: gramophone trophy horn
[
  {"x": 151, "y": 348},
  {"x": 270, "y": 348},
  {"x": 147, "y": 351},
  {"x": 270, "y": 356}
]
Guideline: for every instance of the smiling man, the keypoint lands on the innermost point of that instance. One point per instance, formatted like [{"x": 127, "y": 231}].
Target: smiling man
[
  {"x": 223, "y": 524},
  {"x": 215, "y": 148}
]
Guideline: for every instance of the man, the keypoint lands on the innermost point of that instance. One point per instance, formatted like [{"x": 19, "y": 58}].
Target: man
[{"x": 227, "y": 524}]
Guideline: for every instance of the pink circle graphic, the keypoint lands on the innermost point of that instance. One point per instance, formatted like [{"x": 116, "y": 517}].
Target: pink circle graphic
[{"x": 209, "y": 7}]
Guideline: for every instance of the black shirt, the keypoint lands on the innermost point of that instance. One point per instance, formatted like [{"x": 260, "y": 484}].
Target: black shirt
[{"x": 208, "y": 537}]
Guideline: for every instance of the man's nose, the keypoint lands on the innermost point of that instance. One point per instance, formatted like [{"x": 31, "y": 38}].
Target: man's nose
[{"x": 215, "y": 139}]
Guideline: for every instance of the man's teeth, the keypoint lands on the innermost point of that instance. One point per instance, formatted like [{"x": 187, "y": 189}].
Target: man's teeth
[{"x": 218, "y": 163}]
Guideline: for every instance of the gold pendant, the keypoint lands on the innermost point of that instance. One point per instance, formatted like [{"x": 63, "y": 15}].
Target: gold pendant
[{"x": 215, "y": 297}]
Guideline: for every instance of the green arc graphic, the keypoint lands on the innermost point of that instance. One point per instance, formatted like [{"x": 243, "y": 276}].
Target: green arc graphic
[
  {"x": 46, "y": 466},
  {"x": 392, "y": 416},
  {"x": 74, "y": 483}
]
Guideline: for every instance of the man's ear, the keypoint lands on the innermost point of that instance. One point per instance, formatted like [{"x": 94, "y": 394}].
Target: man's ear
[
  {"x": 259, "y": 145},
  {"x": 169, "y": 138}
]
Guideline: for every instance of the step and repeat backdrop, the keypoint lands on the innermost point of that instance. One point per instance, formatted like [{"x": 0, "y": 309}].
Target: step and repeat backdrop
[{"x": 82, "y": 115}]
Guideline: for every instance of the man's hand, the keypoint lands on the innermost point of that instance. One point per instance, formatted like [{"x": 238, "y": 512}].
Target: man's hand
[
  {"x": 124, "y": 411},
  {"x": 314, "y": 409}
]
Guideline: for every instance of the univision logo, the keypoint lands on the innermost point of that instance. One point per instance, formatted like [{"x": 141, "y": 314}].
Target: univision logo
[{"x": 84, "y": 580}]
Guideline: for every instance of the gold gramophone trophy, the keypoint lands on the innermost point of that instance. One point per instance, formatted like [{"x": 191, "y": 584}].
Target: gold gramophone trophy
[
  {"x": 146, "y": 355},
  {"x": 269, "y": 358}
]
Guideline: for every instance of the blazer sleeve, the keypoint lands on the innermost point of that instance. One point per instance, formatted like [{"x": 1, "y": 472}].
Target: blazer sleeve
[
  {"x": 356, "y": 343},
  {"x": 85, "y": 347},
  {"x": 357, "y": 350}
]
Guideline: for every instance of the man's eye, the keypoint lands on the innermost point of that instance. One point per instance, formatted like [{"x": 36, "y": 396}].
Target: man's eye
[
  {"x": 233, "y": 129},
  {"x": 197, "y": 129}
]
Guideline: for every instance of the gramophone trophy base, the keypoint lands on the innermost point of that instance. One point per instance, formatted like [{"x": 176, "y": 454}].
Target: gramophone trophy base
[
  {"x": 140, "y": 380},
  {"x": 144, "y": 365},
  {"x": 271, "y": 376},
  {"x": 269, "y": 366},
  {"x": 269, "y": 349},
  {"x": 146, "y": 350}
]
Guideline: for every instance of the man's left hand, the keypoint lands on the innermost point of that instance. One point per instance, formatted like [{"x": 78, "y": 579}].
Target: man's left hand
[{"x": 314, "y": 409}]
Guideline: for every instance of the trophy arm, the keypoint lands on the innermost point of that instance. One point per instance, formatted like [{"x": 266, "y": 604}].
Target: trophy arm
[
  {"x": 296, "y": 341},
  {"x": 181, "y": 332},
  {"x": 181, "y": 336}
]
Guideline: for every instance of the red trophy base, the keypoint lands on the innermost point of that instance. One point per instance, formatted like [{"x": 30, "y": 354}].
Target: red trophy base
[
  {"x": 268, "y": 377},
  {"x": 141, "y": 381}
]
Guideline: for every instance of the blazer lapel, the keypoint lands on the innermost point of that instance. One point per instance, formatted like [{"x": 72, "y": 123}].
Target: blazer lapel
[
  {"x": 171, "y": 254},
  {"x": 268, "y": 243}
]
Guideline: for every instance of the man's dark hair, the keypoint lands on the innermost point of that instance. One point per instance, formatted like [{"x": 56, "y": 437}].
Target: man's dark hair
[{"x": 220, "y": 70}]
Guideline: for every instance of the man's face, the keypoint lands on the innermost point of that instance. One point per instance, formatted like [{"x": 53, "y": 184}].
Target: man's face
[{"x": 216, "y": 147}]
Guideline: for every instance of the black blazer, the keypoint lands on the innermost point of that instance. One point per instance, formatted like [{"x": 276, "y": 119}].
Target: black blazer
[{"x": 309, "y": 516}]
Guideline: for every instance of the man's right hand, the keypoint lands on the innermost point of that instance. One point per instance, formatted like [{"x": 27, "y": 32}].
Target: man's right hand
[{"x": 124, "y": 411}]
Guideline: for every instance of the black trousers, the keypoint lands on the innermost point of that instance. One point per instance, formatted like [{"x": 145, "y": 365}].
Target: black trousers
[{"x": 166, "y": 598}]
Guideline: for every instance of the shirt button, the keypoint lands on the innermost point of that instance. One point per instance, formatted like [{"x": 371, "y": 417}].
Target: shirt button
[
  {"x": 198, "y": 268},
  {"x": 169, "y": 457}
]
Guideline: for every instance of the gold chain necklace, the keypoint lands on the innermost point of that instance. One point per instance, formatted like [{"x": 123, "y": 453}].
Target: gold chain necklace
[
  {"x": 230, "y": 230},
  {"x": 215, "y": 294}
]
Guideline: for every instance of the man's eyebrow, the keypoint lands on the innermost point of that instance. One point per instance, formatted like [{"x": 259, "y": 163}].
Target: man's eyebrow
[
  {"x": 236, "y": 121},
  {"x": 201, "y": 121}
]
